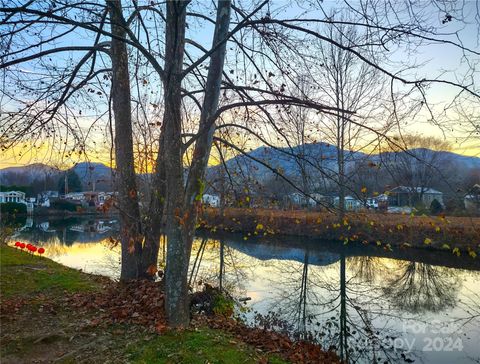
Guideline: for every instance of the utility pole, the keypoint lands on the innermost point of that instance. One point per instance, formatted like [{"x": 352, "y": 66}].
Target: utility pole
[{"x": 66, "y": 183}]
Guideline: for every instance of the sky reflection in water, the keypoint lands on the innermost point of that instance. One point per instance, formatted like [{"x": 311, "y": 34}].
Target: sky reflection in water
[{"x": 371, "y": 308}]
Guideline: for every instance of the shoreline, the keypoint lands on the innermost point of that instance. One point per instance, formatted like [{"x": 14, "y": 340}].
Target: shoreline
[
  {"x": 51, "y": 313},
  {"x": 457, "y": 234}
]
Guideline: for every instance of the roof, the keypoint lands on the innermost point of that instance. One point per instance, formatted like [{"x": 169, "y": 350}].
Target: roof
[
  {"x": 12, "y": 193},
  {"x": 409, "y": 189}
]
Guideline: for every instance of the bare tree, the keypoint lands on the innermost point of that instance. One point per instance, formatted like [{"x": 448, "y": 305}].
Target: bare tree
[{"x": 58, "y": 88}]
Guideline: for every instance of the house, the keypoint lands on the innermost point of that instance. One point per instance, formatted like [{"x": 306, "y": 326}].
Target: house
[
  {"x": 16, "y": 197},
  {"x": 211, "y": 200},
  {"x": 76, "y": 196},
  {"x": 472, "y": 199},
  {"x": 371, "y": 203},
  {"x": 351, "y": 203},
  {"x": 90, "y": 198},
  {"x": 410, "y": 196},
  {"x": 51, "y": 194},
  {"x": 297, "y": 199},
  {"x": 12, "y": 196}
]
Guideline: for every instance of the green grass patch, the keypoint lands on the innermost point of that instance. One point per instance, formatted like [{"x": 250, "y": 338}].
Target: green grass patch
[
  {"x": 197, "y": 347},
  {"x": 22, "y": 273}
]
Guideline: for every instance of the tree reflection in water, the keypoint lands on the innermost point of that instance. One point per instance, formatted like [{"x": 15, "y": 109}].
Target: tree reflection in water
[
  {"x": 218, "y": 264},
  {"x": 419, "y": 287},
  {"x": 352, "y": 303},
  {"x": 336, "y": 306}
]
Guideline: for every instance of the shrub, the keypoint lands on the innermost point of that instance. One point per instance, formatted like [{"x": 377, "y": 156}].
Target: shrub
[
  {"x": 63, "y": 205},
  {"x": 13, "y": 208}
]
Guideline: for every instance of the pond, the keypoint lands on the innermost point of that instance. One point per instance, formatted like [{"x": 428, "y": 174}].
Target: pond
[{"x": 370, "y": 304}]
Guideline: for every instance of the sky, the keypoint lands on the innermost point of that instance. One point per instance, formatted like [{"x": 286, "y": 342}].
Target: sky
[{"x": 441, "y": 60}]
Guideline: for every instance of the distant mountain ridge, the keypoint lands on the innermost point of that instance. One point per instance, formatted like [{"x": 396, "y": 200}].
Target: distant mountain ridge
[
  {"x": 257, "y": 164},
  {"x": 87, "y": 172}
]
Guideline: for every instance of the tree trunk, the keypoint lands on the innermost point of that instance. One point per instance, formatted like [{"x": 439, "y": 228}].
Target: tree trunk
[
  {"x": 182, "y": 208},
  {"x": 127, "y": 200},
  {"x": 178, "y": 253},
  {"x": 153, "y": 224}
]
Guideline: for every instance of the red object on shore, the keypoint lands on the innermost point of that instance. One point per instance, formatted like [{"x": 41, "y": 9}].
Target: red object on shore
[
  {"x": 22, "y": 246},
  {"x": 17, "y": 244},
  {"x": 41, "y": 251},
  {"x": 34, "y": 249}
]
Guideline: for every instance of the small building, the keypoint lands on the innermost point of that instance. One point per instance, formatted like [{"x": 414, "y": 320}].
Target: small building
[
  {"x": 351, "y": 203},
  {"x": 16, "y": 197},
  {"x": 410, "y": 196},
  {"x": 12, "y": 196},
  {"x": 211, "y": 200},
  {"x": 472, "y": 199},
  {"x": 76, "y": 196},
  {"x": 298, "y": 199},
  {"x": 51, "y": 194}
]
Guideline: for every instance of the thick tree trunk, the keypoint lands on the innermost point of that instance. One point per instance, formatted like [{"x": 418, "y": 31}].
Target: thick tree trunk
[
  {"x": 178, "y": 253},
  {"x": 182, "y": 204},
  {"x": 127, "y": 200}
]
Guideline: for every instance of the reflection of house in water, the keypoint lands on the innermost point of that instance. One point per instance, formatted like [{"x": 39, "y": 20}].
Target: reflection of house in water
[
  {"x": 45, "y": 227},
  {"x": 97, "y": 226}
]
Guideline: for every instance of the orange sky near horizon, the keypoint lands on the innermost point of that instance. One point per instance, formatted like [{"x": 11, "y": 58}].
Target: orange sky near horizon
[{"x": 17, "y": 156}]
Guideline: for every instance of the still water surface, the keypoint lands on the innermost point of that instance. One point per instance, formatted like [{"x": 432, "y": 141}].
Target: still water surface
[{"x": 371, "y": 305}]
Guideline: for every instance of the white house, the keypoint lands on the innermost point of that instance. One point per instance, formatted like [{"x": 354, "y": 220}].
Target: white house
[
  {"x": 211, "y": 200},
  {"x": 76, "y": 196},
  {"x": 351, "y": 203},
  {"x": 299, "y": 199},
  {"x": 472, "y": 199},
  {"x": 17, "y": 197},
  {"x": 12, "y": 196}
]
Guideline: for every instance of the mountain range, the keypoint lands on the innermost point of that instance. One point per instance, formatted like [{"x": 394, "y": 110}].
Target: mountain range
[{"x": 257, "y": 164}]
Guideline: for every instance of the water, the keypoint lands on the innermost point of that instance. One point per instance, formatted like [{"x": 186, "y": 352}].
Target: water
[{"x": 370, "y": 304}]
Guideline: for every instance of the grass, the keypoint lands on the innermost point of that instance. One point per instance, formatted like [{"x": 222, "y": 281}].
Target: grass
[
  {"x": 198, "y": 347},
  {"x": 29, "y": 335},
  {"x": 24, "y": 274}
]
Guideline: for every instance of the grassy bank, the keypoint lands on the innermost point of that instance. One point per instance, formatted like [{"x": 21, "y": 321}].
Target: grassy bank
[
  {"x": 50, "y": 313},
  {"x": 458, "y": 234}
]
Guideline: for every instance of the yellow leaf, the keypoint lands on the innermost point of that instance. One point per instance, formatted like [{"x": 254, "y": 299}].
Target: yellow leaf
[
  {"x": 456, "y": 251},
  {"x": 437, "y": 229},
  {"x": 364, "y": 189},
  {"x": 472, "y": 254},
  {"x": 427, "y": 241},
  {"x": 259, "y": 227},
  {"x": 446, "y": 246}
]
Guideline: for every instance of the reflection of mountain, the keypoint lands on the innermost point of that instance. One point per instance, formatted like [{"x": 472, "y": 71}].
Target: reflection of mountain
[{"x": 271, "y": 251}]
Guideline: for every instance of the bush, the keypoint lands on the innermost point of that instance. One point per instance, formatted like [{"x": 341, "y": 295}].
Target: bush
[
  {"x": 63, "y": 205},
  {"x": 13, "y": 208},
  {"x": 436, "y": 207}
]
